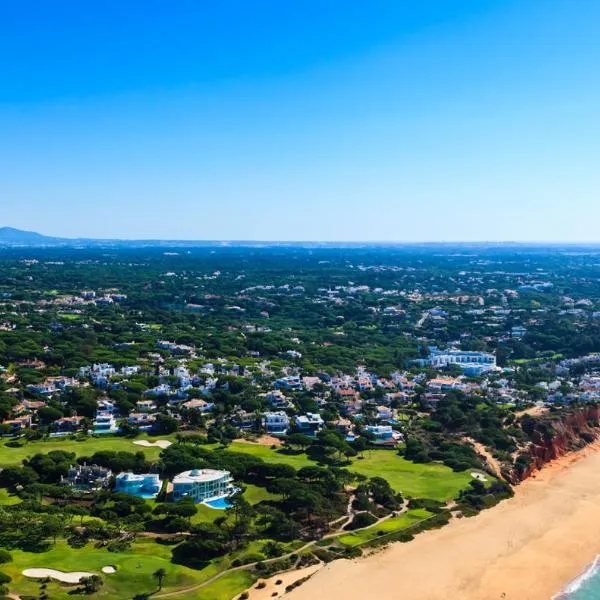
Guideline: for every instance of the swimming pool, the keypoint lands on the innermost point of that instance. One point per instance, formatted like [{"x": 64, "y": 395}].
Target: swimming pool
[{"x": 218, "y": 503}]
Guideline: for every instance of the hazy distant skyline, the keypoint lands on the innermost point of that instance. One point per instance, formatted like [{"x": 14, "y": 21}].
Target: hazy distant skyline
[{"x": 315, "y": 120}]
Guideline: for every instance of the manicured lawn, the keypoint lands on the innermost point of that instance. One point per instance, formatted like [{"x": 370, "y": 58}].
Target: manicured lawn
[
  {"x": 206, "y": 514},
  {"x": 390, "y": 525},
  {"x": 227, "y": 587},
  {"x": 432, "y": 480},
  {"x": 274, "y": 456},
  {"x": 255, "y": 494},
  {"x": 133, "y": 576},
  {"x": 134, "y": 571},
  {"x": 14, "y": 456}
]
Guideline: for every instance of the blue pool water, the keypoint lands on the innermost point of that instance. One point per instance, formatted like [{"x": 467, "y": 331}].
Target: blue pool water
[{"x": 219, "y": 503}]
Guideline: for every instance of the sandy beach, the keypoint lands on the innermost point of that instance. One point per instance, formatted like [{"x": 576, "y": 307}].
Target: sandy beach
[
  {"x": 272, "y": 587},
  {"x": 526, "y": 548}
]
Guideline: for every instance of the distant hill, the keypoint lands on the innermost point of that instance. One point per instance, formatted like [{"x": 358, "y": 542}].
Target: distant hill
[
  {"x": 12, "y": 237},
  {"x": 18, "y": 237}
]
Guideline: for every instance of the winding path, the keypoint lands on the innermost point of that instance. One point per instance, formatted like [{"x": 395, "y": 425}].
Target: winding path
[{"x": 349, "y": 516}]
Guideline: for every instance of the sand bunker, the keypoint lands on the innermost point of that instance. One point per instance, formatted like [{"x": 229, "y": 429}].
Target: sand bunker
[
  {"x": 158, "y": 443},
  {"x": 109, "y": 569},
  {"x": 479, "y": 476},
  {"x": 72, "y": 577}
]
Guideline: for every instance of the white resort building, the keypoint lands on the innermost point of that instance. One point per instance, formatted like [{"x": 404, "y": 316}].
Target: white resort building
[
  {"x": 202, "y": 484},
  {"x": 472, "y": 363}
]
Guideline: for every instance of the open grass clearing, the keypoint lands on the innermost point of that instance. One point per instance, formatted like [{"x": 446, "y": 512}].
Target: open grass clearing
[
  {"x": 225, "y": 588},
  {"x": 133, "y": 576},
  {"x": 273, "y": 456},
  {"x": 255, "y": 494},
  {"x": 431, "y": 480},
  {"x": 391, "y": 525},
  {"x": 11, "y": 456}
]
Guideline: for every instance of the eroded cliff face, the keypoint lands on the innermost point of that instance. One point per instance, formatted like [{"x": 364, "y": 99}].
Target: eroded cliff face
[{"x": 552, "y": 436}]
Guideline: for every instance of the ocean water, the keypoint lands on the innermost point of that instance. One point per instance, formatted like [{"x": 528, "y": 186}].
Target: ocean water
[{"x": 584, "y": 587}]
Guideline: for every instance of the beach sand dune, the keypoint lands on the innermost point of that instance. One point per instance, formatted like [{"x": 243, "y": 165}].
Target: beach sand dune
[
  {"x": 526, "y": 548},
  {"x": 271, "y": 585}
]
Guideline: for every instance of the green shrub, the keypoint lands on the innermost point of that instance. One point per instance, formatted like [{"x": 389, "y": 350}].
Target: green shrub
[
  {"x": 324, "y": 555},
  {"x": 361, "y": 520},
  {"x": 251, "y": 558}
]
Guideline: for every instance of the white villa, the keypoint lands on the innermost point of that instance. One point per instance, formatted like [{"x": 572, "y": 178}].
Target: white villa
[
  {"x": 202, "y": 484},
  {"x": 276, "y": 423},
  {"x": 105, "y": 422}
]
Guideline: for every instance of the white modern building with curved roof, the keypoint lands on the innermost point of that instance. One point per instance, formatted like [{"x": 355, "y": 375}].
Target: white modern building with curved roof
[{"x": 202, "y": 484}]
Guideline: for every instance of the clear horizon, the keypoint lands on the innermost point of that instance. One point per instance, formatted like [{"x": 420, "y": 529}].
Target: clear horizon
[
  {"x": 458, "y": 121},
  {"x": 507, "y": 242}
]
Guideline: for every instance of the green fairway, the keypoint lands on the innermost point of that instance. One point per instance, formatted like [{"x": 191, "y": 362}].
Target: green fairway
[
  {"x": 134, "y": 571},
  {"x": 133, "y": 576},
  {"x": 269, "y": 455},
  {"x": 432, "y": 480},
  {"x": 225, "y": 588},
  {"x": 86, "y": 447},
  {"x": 388, "y": 526},
  {"x": 255, "y": 494}
]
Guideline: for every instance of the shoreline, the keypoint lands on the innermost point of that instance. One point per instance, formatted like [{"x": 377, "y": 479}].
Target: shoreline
[
  {"x": 530, "y": 547},
  {"x": 576, "y": 583}
]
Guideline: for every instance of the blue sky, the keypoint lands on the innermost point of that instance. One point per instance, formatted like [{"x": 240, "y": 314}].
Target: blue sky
[{"x": 302, "y": 119}]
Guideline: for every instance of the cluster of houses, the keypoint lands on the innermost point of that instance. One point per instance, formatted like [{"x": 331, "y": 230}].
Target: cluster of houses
[
  {"x": 87, "y": 297},
  {"x": 362, "y": 401},
  {"x": 209, "y": 486}
]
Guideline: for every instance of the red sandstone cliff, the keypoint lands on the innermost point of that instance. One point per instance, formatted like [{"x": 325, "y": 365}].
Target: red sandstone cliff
[{"x": 552, "y": 436}]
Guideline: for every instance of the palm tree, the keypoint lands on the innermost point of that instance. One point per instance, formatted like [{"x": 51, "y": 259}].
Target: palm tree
[{"x": 159, "y": 575}]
